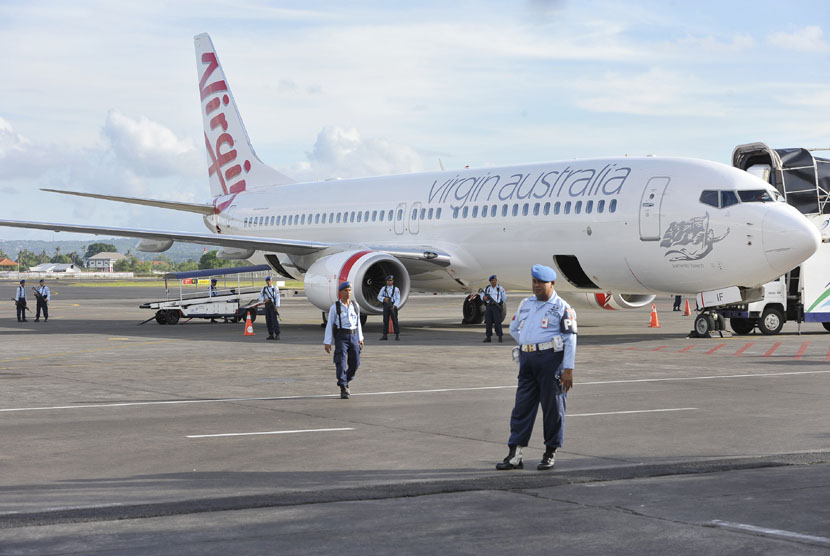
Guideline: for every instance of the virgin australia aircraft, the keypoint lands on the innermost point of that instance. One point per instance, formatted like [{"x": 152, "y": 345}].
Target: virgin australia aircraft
[{"x": 617, "y": 230}]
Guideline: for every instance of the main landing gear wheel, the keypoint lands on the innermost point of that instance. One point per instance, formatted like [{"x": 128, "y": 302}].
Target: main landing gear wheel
[
  {"x": 741, "y": 325},
  {"x": 771, "y": 321},
  {"x": 473, "y": 310}
]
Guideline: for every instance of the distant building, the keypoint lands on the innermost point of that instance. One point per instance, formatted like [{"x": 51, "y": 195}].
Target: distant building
[
  {"x": 55, "y": 267},
  {"x": 7, "y": 264},
  {"x": 104, "y": 262}
]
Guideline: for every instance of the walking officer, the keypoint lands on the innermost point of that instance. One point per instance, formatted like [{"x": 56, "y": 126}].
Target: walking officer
[
  {"x": 545, "y": 328},
  {"x": 390, "y": 296},
  {"x": 20, "y": 301},
  {"x": 344, "y": 331},
  {"x": 43, "y": 298},
  {"x": 271, "y": 296},
  {"x": 494, "y": 297}
]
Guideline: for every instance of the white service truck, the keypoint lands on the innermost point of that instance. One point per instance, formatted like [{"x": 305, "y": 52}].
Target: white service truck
[{"x": 803, "y": 294}]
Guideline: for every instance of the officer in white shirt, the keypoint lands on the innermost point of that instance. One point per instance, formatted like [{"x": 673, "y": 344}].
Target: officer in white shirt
[
  {"x": 343, "y": 330},
  {"x": 270, "y": 295},
  {"x": 390, "y": 296},
  {"x": 493, "y": 297},
  {"x": 20, "y": 301},
  {"x": 545, "y": 328},
  {"x": 43, "y": 298}
]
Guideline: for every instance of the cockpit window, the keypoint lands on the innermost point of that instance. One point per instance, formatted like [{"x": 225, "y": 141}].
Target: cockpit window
[
  {"x": 710, "y": 197},
  {"x": 756, "y": 196},
  {"x": 728, "y": 198}
]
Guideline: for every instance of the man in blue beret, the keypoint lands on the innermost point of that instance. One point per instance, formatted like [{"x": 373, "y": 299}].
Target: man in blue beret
[
  {"x": 344, "y": 331},
  {"x": 390, "y": 296},
  {"x": 270, "y": 295},
  {"x": 545, "y": 328},
  {"x": 494, "y": 298}
]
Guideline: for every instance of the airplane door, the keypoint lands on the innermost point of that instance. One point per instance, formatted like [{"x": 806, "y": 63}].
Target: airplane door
[
  {"x": 414, "y": 222},
  {"x": 650, "y": 208},
  {"x": 400, "y": 218}
]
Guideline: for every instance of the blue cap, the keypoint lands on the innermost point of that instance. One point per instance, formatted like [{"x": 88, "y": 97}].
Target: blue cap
[
  {"x": 390, "y": 277},
  {"x": 267, "y": 278},
  {"x": 543, "y": 273},
  {"x": 213, "y": 279},
  {"x": 344, "y": 285},
  {"x": 41, "y": 279},
  {"x": 493, "y": 277},
  {"x": 23, "y": 281}
]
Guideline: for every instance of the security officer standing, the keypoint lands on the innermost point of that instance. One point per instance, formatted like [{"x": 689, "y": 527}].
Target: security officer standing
[
  {"x": 545, "y": 328},
  {"x": 43, "y": 298},
  {"x": 213, "y": 292},
  {"x": 390, "y": 296},
  {"x": 20, "y": 301},
  {"x": 344, "y": 331},
  {"x": 271, "y": 296},
  {"x": 493, "y": 296}
]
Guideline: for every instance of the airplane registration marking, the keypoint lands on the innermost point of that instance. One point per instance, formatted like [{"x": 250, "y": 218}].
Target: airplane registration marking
[
  {"x": 266, "y": 432},
  {"x": 399, "y": 392}
]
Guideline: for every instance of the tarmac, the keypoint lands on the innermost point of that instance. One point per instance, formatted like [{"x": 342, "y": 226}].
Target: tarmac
[{"x": 195, "y": 439}]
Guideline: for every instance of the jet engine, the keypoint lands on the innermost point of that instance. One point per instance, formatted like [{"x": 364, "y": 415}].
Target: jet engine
[
  {"x": 154, "y": 245},
  {"x": 366, "y": 270},
  {"x": 609, "y": 301}
]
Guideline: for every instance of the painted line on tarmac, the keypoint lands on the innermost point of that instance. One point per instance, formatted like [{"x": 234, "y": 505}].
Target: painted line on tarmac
[
  {"x": 266, "y": 432},
  {"x": 630, "y": 412},
  {"x": 772, "y": 349},
  {"x": 801, "y": 350},
  {"x": 399, "y": 392},
  {"x": 743, "y": 349},
  {"x": 714, "y": 349},
  {"x": 92, "y": 350},
  {"x": 770, "y": 532}
]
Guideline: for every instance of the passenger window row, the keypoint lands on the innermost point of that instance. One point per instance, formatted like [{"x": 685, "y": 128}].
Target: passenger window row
[
  {"x": 526, "y": 209},
  {"x": 337, "y": 218}
]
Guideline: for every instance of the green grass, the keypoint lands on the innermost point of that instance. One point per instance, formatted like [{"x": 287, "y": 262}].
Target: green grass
[{"x": 159, "y": 283}]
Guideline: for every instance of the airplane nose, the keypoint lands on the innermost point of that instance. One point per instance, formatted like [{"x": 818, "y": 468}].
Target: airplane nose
[{"x": 789, "y": 238}]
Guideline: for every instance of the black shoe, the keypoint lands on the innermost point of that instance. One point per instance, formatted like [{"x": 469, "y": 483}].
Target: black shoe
[
  {"x": 344, "y": 393},
  {"x": 269, "y": 338},
  {"x": 397, "y": 338},
  {"x": 486, "y": 340},
  {"x": 37, "y": 320},
  {"x": 512, "y": 461},
  {"x": 384, "y": 337},
  {"x": 277, "y": 337},
  {"x": 500, "y": 340},
  {"x": 547, "y": 461}
]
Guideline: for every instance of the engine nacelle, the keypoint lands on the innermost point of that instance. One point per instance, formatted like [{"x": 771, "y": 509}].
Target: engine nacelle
[
  {"x": 154, "y": 245},
  {"x": 366, "y": 270},
  {"x": 608, "y": 301},
  {"x": 234, "y": 253}
]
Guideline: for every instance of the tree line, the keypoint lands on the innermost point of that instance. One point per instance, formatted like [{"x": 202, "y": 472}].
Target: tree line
[{"x": 28, "y": 259}]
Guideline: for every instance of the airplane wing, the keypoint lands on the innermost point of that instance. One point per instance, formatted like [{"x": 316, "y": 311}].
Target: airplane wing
[
  {"x": 275, "y": 245},
  {"x": 174, "y": 205}
]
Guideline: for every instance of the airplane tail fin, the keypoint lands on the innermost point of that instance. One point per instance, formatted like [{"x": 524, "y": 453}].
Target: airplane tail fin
[{"x": 233, "y": 166}]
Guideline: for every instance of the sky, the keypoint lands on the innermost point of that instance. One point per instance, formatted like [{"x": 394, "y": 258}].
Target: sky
[{"x": 102, "y": 96}]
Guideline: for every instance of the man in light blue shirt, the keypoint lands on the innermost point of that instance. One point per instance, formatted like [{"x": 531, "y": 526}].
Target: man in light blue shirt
[
  {"x": 20, "y": 301},
  {"x": 545, "y": 328},
  {"x": 390, "y": 296},
  {"x": 270, "y": 295},
  {"x": 493, "y": 297},
  {"x": 344, "y": 331},
  {"x": 43, "y": 298}
]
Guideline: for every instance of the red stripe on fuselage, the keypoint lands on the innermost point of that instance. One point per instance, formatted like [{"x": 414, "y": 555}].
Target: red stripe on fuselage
[{"x": 347, "y": 267}]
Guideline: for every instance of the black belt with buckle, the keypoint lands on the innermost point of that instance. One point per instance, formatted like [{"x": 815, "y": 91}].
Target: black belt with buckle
[{"x": 347, "y": 330}]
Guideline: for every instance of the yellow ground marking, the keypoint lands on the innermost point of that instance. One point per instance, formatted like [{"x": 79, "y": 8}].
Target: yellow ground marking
[
  {"x": 92, "y": 350},
  {"x": 117, "y": 339}
]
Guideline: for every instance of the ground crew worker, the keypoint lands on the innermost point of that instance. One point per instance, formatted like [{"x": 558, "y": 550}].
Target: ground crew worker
[
  {"x": 545, "y": 328},
  {"x": 213, "y": 292},
  {"x": 43, "y": 298},
  {"x": 493, "y": 296},
  {"x": 20, "y": 301},
  {"x": 271, "y": 296},
  {"x": 390, "y": 296},
  {"x": 344, "y": 331}
]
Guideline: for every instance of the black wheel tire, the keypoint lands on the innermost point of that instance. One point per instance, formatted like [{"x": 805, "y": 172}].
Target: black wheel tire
[
  {"x": 161, "y": 317},
  {"x": 473, "y": 311},
  {"x": 704, "y": 324},
  {"x": 771, "y": 321},
  {"x": 826, "y": 326},
  {"x": 363, "y": 318},
  {"x": 252, "y": 312},
  {"x": 742, "y": 326},
  {"x": 173, "y": 317}
]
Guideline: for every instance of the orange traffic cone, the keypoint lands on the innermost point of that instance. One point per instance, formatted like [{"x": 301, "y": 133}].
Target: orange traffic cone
[
  {"x": 391, "y": 328},
  {"x": 654, "y": 322},
  {"x": 687, "y": 312},
  {"x": 249, "y": 326}
]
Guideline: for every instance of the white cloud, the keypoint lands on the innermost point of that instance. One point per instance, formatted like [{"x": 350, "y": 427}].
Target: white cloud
[
  {"x": 21, "y": 158},
  {"x": 150, "y": 149},
  {"x": 807, "y": 39},
  {"x": 343, "y": 153}
]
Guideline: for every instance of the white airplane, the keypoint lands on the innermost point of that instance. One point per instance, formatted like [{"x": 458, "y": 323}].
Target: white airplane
[{"x": 617, "y": 230}]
